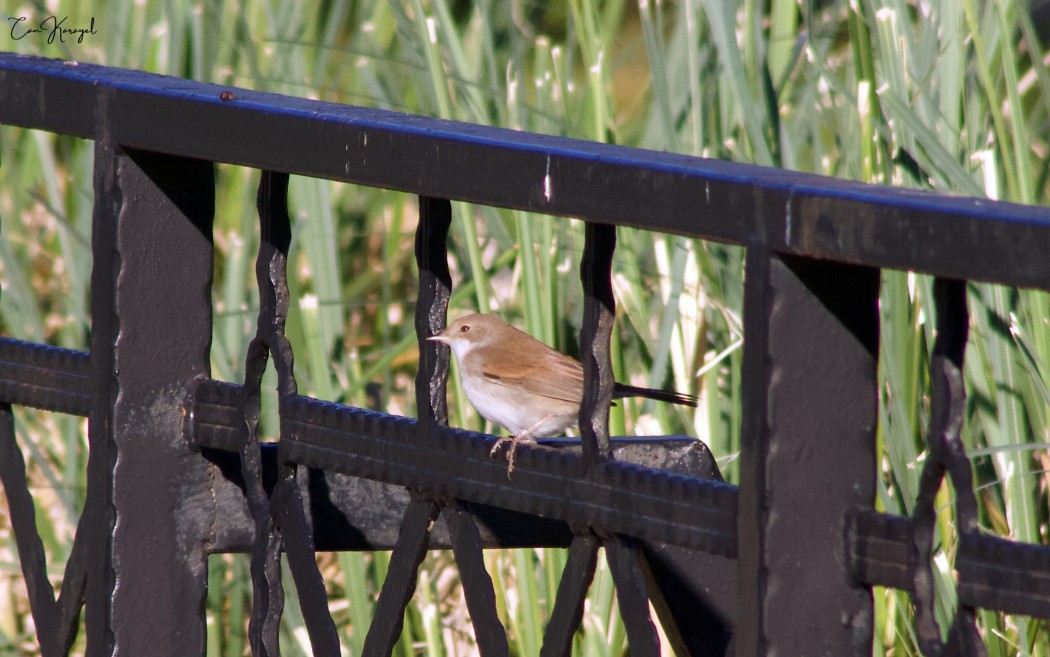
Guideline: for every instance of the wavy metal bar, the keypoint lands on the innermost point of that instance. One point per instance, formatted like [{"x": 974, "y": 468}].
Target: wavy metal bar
[
  {"x": 57, "y": 621},
  {"x": 270, "y": 269},
  {"x": 435, "y": 288},
  {"x": 599, "y": 313},
  {"x": 946, "y": 456}
]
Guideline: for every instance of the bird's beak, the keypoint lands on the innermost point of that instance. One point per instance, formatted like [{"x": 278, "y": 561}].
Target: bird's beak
[{"x": 440, "y": 337}]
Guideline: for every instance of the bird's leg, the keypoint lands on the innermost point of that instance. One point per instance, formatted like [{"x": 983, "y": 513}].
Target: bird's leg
[{"x": 523, "y": 436}]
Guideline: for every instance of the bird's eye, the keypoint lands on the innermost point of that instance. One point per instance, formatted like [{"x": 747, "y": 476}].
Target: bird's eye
[{"x": 465, "y": 328}]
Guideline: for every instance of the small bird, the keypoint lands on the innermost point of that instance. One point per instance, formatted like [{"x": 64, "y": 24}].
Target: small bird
[{"x": 514, "y": 380}]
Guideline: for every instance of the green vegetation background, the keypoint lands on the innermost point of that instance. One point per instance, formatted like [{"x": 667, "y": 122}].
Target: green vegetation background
[{"x": 948, "y": 95}]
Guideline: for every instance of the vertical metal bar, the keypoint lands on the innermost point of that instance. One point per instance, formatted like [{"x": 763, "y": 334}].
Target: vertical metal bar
[
  {"x": 693, "y": 593},
  {"x": 268, "y": 593},
  {"x": 632, "y": 595},
  {"x": 98, "y": 514},
  {"x": 287, "y": 505},
  {"x": 71, "y": 599},
  {"x": 30, "y": 548},
  {"x": 400, "y": 581},
  {"x": 271, "y": 278},
  {"x": 477, "y": 585},
  {"x": 56, "y": 620},
  {"x": 280, "y": 520},
  {"x": 694, "y": 596},
  {"x": 154, "y": 215},
  {"x": 435, "y": 288},
  {"x": 599, "y": 312},
  {"x": 271, "y": 274},
  {"x": 435, "y": 285},
  {"x": 808, "y": 453},
  {"x": 267, "y": 589},
  {"x": 947, "y": 456},
  {"x": 576, "y": 578}
]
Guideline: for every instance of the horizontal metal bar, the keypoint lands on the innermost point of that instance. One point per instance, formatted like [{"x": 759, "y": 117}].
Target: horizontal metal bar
[
  {"x": 997, "y": 573},
  {"x": 341, "y": 522},
  {"x": 789, "y": 212},
  {"x": 614, "y": 497},
  {"x": 993, "y": 572},
  {"x": 216, "y": 416},
  {"x": 44, "y": 377},
  {"x": 215, "y": 425},
  {"x": 881, "y": 549}
]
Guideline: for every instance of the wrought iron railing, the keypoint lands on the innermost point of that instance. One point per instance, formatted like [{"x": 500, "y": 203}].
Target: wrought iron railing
[{"x": 176, "y": 473}]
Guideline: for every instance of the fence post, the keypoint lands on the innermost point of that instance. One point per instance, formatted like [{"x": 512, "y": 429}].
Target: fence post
[
  {"x": 807, "y": 454},
  {"x": 151, "y": 335}
]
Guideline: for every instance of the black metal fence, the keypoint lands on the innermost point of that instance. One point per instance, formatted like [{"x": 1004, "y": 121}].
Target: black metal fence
[{"x": 175, "y": 472}]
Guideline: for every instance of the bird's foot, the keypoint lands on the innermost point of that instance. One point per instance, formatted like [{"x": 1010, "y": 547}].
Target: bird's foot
[{"x": 522, "y": 437}]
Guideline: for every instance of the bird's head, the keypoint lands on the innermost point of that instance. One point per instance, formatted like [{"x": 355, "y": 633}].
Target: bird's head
[{"x": 470, "y": 332}]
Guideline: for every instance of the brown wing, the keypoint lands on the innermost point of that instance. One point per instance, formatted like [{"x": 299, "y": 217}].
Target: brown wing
[{"x": 520, "y": 365}]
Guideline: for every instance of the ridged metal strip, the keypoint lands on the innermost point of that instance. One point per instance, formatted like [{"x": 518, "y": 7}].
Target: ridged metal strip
[
  {"x": 615, "y": 497},
  {"x": 48, "y": 378},
  {"x": 993, "y": 573}
]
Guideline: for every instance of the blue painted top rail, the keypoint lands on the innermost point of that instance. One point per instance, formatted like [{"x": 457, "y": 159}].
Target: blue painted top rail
[{"x": 784, "y": 211}]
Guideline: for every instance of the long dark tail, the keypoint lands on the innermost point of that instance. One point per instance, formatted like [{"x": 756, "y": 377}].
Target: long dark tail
[{"x": 622, "y": 390}]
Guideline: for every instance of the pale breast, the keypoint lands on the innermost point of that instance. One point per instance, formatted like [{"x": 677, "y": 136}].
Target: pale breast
[{"x": 517, "y": 410}]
